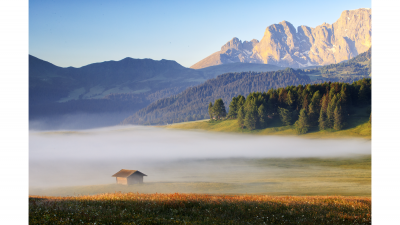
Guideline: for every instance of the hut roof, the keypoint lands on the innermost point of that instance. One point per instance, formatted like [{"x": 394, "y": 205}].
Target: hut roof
[{"x": 127, "y": 173}]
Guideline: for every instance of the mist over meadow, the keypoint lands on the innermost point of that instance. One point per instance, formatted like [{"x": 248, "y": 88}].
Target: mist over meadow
[
  {"x": 77, "y": 121},
  {"x": 89, "y": 157}
]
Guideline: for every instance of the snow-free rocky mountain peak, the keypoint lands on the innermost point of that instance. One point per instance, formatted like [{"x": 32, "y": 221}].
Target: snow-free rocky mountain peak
[{"x": 284, "y": 46}]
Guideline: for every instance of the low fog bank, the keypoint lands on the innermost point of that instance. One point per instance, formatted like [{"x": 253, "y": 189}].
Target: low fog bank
[
  {"x": 150, "y": 143},
  {"x": 88, "y": 157},
  {"x": 77, "y": 121}
]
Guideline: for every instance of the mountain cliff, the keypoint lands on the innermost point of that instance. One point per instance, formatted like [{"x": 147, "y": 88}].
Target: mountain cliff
[
  {"x": 284, "y": 46},
  {"x": 232, "y": 52}
]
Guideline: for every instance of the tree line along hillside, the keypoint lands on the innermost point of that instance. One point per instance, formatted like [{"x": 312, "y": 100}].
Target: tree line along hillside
[
  {"x": 326, "y": 106},
  {"x": 359, "y": 66},
  {"x": 192, "y": 103}
]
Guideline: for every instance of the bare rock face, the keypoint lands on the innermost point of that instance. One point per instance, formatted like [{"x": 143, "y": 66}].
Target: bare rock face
[
  {"x": 282, "y": 45},
  {"x": 233, "y": 51}
]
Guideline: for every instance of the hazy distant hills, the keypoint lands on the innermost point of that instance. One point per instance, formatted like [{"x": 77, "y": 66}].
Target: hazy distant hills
[
  {"x": 98, "y": 80},
  {"x": 192, "y": 104},
  {"x": 114, "y": 86},
  {"x": 285, "y": 46}
]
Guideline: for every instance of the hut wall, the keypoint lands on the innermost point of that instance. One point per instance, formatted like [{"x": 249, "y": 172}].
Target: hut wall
[
  {"x": 122, "y": 180},
  {"x": 135, "y": 179}
]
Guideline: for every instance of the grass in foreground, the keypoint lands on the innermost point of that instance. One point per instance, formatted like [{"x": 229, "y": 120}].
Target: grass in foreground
[{"x": 176, "y": 208}]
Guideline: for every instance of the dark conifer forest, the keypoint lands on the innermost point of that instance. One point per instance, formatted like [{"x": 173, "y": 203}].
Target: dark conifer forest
[
  {"x": 192, "y": 104},
  {"x": 326, "y": 105}
]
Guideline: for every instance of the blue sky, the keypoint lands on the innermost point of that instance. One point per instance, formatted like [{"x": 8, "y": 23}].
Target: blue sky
[{"x": 77, "y": 33}]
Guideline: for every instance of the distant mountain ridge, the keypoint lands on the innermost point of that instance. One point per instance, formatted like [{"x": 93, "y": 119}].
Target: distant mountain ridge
[
  {"x": 97, "y": 80},
  {"x": 283, "y": 46},
  {"x": 123, "y": 86}
]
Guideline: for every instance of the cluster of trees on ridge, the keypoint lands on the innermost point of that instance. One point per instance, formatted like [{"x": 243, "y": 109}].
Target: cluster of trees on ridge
[{"x": 324, "y": 105}]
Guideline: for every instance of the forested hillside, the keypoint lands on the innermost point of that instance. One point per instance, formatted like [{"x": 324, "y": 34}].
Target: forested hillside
[
  {"x": 357, "y": 67},
  {"x": 192, "y": 103},
  {"x": 325, "y": 105}
]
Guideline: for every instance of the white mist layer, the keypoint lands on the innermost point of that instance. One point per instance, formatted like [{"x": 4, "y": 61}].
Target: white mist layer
[
  {"x": 148, "y": 143},
  {"x": 89, "y": 157}
]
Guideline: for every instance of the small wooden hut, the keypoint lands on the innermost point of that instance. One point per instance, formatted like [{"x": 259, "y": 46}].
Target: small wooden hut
[{"x": 128, "y": 177}]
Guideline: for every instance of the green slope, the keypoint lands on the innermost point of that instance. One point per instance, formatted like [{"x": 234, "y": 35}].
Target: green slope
[{"x": 357, "y": 126}]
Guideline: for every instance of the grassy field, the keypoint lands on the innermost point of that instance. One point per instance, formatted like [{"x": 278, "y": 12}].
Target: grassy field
[
  {"x": 134, "y": 208},
  {"x": 271, "y": 176},
  {"x": 357, "y": 126}
]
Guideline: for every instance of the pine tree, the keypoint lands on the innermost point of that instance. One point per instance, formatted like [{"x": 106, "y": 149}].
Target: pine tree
[
  {"x": 233, "y": 108},
  {"x": 338, "y": 118},
  {"x": 282, "y": 96},
  {"x": 343, "y": 94},
  {"x": 285, "y": 116},
  {"x": 250, "y": 120},
  {"x": 305, "y": 103},
  {"x": 312, "y": 114},
  {"x": 322, "y": 120},
  {"x": 324, "y": 103},
  {"x": 240, "y": 101},
  {"x": 240, "y": 117},
  {"x": 210, "y": 110},
  {"x": 330, "y": 112},
  {"x": 290, "y": 99},
  {"x": 316, "y": 99},
  {"x": 362, "y": 95},
  {"x": 271, "y": 104},
  {"x": 219, "y": 109},
  {"x": 262, "y": 115},
  {"x": 302, "y": 123}
]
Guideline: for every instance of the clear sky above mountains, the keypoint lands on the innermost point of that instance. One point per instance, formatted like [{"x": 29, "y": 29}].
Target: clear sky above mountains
[{"x": 77, "y": 33}]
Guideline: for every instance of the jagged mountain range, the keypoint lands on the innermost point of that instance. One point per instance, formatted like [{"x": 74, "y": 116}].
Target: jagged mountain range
[{"x": 284, "y": 46}]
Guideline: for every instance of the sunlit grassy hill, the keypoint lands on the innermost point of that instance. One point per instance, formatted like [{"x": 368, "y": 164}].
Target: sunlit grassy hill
[{"x": 357, "y": 125}]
